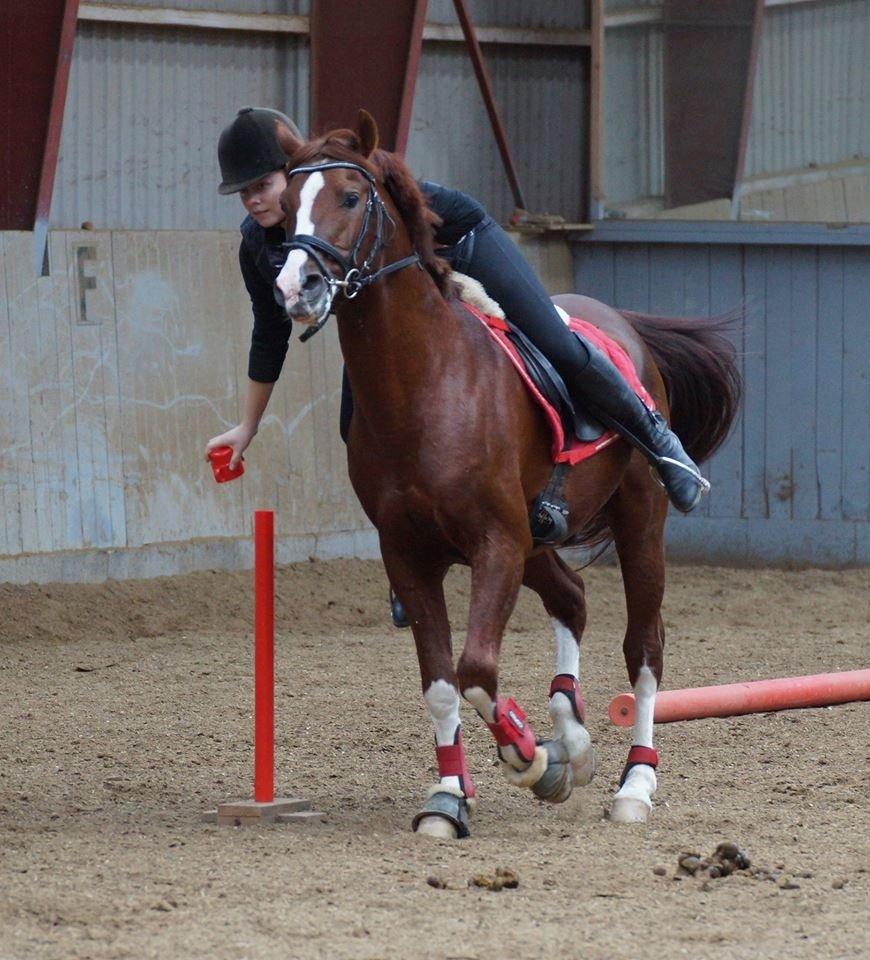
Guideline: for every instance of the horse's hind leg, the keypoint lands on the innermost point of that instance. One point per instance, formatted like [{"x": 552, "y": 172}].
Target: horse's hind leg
[
  {"x": 562, "y": 593},
  {"x": 637, "y": 515}
]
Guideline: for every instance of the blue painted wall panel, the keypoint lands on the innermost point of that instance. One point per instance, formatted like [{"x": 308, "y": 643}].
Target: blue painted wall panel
[
  {"x": 726, "y": 471},
  {"x": 856, "y": 385},
  {"x": 754, "y": 492},
  {"x": 777, "y": 392},
  {"x": 829, "y": 383},
  {"x": 792, "y": 483},
  {"x": 802, "y": 383}
]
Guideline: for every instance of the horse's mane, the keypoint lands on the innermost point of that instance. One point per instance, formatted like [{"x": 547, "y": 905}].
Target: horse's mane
[{"x": 419, "y": 220}]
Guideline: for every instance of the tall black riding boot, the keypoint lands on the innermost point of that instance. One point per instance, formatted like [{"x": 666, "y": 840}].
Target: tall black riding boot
[{"x": 601, "y": 389}]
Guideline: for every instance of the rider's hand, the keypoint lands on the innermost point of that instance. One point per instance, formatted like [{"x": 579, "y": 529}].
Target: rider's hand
[{"x": 239, "y": 438}]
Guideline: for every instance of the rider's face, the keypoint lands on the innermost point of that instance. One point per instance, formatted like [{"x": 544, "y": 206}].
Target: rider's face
[{"x": 262, "y": 199}]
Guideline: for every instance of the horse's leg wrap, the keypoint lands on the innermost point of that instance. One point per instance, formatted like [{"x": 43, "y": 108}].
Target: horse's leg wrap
[
  {"x": 451, "y": 763},
  {"x": 569, "y": 713},
  {"x": 636, "y": 756},
  {"x": 527, "y": 762},
  {"x": 567, "y": 750},
  {"x": 511, "y": 730},
  {"x": 569, "y": 685},
  {"x": 450, "y": 806}
]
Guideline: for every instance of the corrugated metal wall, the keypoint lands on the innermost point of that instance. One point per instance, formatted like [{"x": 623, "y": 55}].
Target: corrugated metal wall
[
  {"x": 812, "y": 95},
  {"x": 811, "y": 103},
  {"x": 792, "y": 484},
  {"x": 230, "y": 6},
  {"x": 553, "y": 14},
  {"x": 451, "y": 140},
  {"x": 146, "y": 106},
  {"x": 144, "y": 111},
  {"x": 633, "y": 125}
]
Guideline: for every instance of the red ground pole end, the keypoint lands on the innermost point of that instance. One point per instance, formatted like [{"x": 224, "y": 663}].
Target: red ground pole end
[
  {"x": 264, "y": 656},
  {"x": 757, "y": 696}
]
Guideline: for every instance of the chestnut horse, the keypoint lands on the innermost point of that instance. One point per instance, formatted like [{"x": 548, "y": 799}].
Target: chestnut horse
[{"x": 447, "y": 451}]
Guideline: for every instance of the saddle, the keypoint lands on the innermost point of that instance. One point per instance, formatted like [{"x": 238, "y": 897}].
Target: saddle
[
  {"x": 545, "y": 377},
  {"x": 576, "y": 435}
]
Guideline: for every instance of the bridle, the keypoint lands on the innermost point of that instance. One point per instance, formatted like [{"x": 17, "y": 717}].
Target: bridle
[{"x": 357, "y": 275}]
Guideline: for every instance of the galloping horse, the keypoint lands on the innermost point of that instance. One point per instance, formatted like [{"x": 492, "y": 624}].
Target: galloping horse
[{"x": 447, "y": 451}]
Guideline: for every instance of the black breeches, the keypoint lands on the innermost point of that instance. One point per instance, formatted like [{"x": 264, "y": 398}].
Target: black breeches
[{"x": 495, "y": 260}]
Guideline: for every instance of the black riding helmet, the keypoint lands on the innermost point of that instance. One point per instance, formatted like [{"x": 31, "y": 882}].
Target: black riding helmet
[{"x": 248, "y": 149}]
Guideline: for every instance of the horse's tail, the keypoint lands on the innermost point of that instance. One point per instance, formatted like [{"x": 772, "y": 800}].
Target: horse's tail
[{"x": 699, "y": 367}]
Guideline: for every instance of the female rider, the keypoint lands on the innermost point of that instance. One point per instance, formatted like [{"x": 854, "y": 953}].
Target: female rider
[{"x": 252, "y": 165}]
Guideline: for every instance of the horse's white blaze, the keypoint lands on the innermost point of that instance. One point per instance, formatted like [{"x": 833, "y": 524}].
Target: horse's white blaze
[
  {"x": 290, "y": 279},
  {"x": 640, "y": 784},
  {"x": 442, "y": 699}
]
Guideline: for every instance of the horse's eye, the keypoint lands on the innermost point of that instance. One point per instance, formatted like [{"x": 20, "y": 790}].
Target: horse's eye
[{"x": 350, "y": 201}]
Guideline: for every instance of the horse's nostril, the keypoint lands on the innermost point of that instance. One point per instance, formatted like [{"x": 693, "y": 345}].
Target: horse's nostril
[{"x": 313, "y": 283}]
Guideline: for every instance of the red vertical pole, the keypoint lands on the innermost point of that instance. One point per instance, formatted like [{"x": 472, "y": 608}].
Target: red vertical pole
[{"x": 264, "y": 656}]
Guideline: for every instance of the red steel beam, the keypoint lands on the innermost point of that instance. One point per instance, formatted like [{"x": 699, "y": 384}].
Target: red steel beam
[
  {"x": 710, "y": 52},
  {"x": 365, "y": 55},
  {"x": 483, "y": 82},
  {"x": 52, "y": 136},
  {"x": 36, "y": 44},
  {"x": 596, "y": 111}
]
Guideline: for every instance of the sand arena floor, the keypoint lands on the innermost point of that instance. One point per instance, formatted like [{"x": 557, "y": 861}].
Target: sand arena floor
[{"x": 125, "y": 711}]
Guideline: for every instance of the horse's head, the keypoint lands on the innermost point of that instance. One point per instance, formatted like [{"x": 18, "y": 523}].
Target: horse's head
[{"x": 351, "y": 211}]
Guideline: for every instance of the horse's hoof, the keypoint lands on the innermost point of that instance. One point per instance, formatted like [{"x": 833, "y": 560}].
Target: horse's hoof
[
  {"x": 630, "y": 810},
  {"x": 584, "y": 767},
  {"x": 557, "y": 782},
  {"x": 452, "y": 810},
  {"x": 436, "y": 827}
]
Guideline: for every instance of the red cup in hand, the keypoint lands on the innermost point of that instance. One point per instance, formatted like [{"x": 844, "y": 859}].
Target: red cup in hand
[{"x": 220, "y": 463}]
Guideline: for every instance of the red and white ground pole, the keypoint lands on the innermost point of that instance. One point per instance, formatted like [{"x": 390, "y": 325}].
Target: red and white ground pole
[{"x": 264, "y": 808}]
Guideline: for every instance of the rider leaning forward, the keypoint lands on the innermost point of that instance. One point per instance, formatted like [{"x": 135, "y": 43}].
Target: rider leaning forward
[{"x": 252, "y": 165}]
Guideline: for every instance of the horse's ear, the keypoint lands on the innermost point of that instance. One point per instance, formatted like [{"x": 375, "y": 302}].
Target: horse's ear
[
  {"x": 287, "y": 140},
  {"x": 367, "y": 131}
]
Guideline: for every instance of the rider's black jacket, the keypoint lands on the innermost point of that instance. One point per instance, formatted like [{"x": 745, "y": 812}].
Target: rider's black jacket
[{"x": 260, "y": 259}]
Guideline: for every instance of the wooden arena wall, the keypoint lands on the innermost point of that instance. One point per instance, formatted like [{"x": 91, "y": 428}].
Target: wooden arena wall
[
  {"x": 792, "y": 484},
  {"x": 114, "y": 372}
]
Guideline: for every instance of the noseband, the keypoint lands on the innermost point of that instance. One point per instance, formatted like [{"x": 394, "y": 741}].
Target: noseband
[{"x": 356, "y": 275}]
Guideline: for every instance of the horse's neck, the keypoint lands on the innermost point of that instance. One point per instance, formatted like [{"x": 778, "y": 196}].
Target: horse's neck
[{"x": 394, "y": 338}]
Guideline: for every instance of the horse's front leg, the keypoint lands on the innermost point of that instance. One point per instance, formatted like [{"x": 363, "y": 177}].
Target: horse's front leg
[
  {"x": 496, "y": 574},
  {"x": 450, "y": 802}
]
